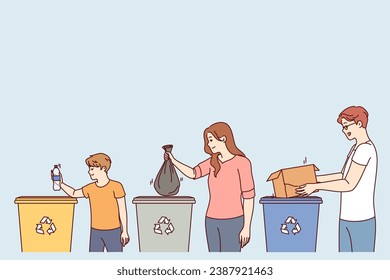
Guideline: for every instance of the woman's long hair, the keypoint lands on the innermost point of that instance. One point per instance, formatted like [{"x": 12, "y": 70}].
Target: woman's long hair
[{"x": 218, "y": 130}]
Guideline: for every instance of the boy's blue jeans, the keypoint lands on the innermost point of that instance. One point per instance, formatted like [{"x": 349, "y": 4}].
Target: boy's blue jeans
[
  {"x": 111, "y": 239},
  {"x": 357, "y": 236}
]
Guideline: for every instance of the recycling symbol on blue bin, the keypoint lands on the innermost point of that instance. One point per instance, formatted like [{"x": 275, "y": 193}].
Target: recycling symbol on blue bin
[{"x": 290, "y": 220}]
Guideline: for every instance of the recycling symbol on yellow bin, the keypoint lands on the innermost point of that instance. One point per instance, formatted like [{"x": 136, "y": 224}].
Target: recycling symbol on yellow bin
[
  {"x": 163, "y": 221},
  {"x": 45, "y": 220},
  {"x": 290, "y": 220}
]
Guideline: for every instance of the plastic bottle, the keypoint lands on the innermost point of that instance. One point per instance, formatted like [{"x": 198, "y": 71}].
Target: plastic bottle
[{"x": 56, "y": 177}]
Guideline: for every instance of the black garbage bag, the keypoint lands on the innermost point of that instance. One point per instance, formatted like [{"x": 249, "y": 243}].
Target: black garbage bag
[{"x": 167, "y": 182}]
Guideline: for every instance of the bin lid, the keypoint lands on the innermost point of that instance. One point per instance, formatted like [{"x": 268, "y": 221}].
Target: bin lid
[
  {"x": 291, "y": 200},
  {"x": 163, "y": 200},
  {"x": 45, "y": 200}
]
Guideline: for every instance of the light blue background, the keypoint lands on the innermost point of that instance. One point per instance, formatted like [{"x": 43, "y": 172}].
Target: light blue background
[{"x": 127, "y": 77}]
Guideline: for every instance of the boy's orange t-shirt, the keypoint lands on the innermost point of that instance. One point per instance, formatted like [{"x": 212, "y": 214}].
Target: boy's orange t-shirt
[
  {"x": 233, "y": 182},
  {"x": 103, "y": 204}
]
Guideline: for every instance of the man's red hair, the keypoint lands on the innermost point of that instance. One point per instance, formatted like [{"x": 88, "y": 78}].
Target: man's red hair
[{"x": 356, "y": 114}]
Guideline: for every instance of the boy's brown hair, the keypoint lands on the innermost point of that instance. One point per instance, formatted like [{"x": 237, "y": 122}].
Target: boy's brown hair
[
  {"x": 354, "y": 113},
  {"x": 99, "y": 160}
]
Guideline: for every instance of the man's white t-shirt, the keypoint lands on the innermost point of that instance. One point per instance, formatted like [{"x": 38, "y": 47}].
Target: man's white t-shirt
[{"x": 358, "y": 204}]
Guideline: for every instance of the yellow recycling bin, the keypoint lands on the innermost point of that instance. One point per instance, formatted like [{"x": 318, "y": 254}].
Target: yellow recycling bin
[{"x": 46, "y": 223}]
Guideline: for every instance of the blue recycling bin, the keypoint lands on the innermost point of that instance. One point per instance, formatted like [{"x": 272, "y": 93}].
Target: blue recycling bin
[{"x": 291, "y": 224}]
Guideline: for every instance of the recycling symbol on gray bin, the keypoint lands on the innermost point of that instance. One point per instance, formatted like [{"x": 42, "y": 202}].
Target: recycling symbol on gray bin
[
  {"x": 290, "y": 220},
  {"x": 163, "y": 221}
]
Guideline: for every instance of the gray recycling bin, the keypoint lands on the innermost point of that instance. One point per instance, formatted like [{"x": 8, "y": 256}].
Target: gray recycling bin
[
  {"x": 291, "y": 223},
  {"x": 164, "y": 223}
]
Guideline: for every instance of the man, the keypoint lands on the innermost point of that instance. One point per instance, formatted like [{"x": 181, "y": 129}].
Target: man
[
  {"x": 355, "y": 182},
  {"x": 107, "y": 204}
]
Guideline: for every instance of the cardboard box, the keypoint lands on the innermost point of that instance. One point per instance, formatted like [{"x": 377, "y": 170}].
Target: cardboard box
[{"x": 286, "y": 180}]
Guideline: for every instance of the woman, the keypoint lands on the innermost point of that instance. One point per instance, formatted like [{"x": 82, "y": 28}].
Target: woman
[
  {"x": 231, "y": 188},
  {"x": 356, "y": 183}
]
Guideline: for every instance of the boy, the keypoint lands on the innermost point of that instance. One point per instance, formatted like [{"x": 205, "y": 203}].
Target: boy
[
  {"x": 107, "y": 204},
  {"x": 356, "y": 183}
]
